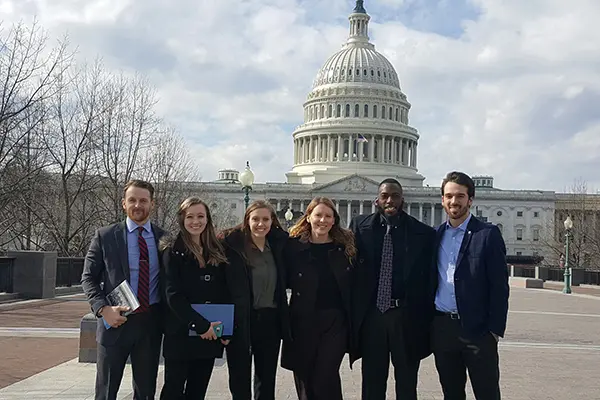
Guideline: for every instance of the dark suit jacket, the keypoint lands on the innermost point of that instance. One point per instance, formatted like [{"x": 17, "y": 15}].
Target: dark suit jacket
[
  {"x": 417, "y": 258},
  {"x": 187, "y": 283},
  {"x": 303, "y": 279},
  {"x": 106, "y": 265},
  {"x": 480, "y": 279}
]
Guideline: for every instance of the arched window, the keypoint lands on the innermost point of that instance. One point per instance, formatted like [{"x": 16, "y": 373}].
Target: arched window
[
  {"x": 347, "y": 113},
  {"x": 356, "y": 110},
  {"x": 382, "y": 112},
  {"x": 338, "y": 111},
  {"x": 310, "y": 118},
  {"x": 390, "y": 114},
  {"x": 330, "y": 114},
  {"x": 322, "y": 111},
  {"x": 374, "y": 111},
  {"x": 366, "y": 111},
  {"x": 396, "y": 113}
]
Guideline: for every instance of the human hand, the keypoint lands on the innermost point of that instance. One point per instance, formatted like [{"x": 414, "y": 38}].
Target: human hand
[
  {"x": 112, "y": 315},
  {"x": 225, "y": 342},
  {"x": 210, "y": 333}
]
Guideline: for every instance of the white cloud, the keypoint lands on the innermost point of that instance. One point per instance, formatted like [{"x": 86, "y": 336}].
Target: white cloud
[{"x": 511, "y": 95}]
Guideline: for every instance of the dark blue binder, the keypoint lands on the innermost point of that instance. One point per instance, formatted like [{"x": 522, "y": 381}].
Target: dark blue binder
[{"x": 216, "y": 312}]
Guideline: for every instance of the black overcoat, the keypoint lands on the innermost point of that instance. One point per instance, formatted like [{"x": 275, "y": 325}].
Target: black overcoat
[
  {"x": 239, "y": 280},
  {"x": 303, "y": 280},
  {"x": 187, "y": 283},
  {"x": 418, "y": 280}
]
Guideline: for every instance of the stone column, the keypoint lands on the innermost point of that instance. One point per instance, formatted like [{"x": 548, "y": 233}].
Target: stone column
[
  {"x": 337, "y": 205},
  {"x": 408, "y": 208},
  {"x": 382, "y": 150},
  {"x": 372, "y": 148},
  {"x": 404, "y": 152},
  {"x": 350, "y": 147},
  {"x": 311, "y": 150},
  {"x": 339, "y": 148},
  {"x": 278, "y": 205},
  {"x": 393, "y": 150},
  {"x": 329, "y": 149},
  {"x": 372, "y": 206},
  {"x": 301, "y": 205},
  {"x": 349, "y": 212},
  {"x": 360, "y": 150},
  {"x": 421, "y": 212},
  {"x": 432, "y": 214},
  {"x": 415, "y": 157},
  {"x": 361, "y": 207}
]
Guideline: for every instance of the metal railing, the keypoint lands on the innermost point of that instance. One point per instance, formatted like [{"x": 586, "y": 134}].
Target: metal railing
[
  {"x": 6, "y": 274},
  {"x": 68, "y": 271}
]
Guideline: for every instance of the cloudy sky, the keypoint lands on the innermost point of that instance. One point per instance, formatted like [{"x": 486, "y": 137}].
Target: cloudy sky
[{"x": 509, "y": 88}]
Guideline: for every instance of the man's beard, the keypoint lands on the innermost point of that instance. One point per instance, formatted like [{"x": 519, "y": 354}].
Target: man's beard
[{"x": 390, "y": 219}]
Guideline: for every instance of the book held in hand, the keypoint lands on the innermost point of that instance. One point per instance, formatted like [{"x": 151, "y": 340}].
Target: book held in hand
[
  {"x": 123, "y": 296},
  {"x": 214, "y": 313}
]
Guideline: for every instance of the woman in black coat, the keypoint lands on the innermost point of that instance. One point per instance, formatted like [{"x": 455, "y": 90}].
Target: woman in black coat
[
  {"x": 194, "y": 264},
  {"x": 257, "y": 284},
  {"x": 319, "y": 273}
]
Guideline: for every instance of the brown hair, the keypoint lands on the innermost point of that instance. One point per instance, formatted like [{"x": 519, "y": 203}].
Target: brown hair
[
  {"x": 339, "y": 235},
  {"x": 139, "y": 184},
  {"x": 245, "y": 225},
  {"x": 209, "y": 244}
]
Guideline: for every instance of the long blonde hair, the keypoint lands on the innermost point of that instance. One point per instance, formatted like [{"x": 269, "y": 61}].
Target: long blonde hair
[
  {"x": 339, "y": 235},
  {"x": 209, "y": 244}
]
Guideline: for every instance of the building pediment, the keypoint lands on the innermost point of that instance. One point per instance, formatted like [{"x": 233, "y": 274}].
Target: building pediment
[{"x": 349, "y": 184}]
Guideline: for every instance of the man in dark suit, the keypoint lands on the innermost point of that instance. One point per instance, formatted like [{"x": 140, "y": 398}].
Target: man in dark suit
[
  {"x": 471, "y": 298},
  {"x": 392, "y": 309},
  {"x": 126, "y": 251}
]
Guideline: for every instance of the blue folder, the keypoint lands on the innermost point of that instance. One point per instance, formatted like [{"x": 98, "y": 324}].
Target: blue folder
[{"x": 216, "y": 312}]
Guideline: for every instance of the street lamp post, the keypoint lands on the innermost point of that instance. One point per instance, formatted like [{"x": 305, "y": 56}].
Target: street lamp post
[
  {"x": 247, "y": 180},
  {"x": 568, "y": 227},
  {"x": 289, "y": 215}
]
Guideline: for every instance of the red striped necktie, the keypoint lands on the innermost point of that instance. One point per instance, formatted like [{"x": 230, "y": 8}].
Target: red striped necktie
[{"x": 143, "y": 292}]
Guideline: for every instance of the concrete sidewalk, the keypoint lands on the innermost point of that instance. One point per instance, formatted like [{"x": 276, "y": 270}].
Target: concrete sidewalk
[{"x": 551, "y": 352}]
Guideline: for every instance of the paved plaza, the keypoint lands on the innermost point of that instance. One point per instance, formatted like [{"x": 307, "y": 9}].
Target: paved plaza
[{"x": 551, "y": 352}]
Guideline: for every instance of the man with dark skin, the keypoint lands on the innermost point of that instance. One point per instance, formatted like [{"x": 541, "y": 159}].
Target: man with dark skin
[{"x": 392, "y": 309}]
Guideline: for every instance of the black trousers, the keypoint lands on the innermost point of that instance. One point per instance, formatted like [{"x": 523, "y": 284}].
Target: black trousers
[
  {"x": 263, "y": 342},
  {"x": 186, "y": 379},
  {"x": 454, "y": 355},
  {"x": 140, "y": 338},
  {"x": 381, "y": 338},
  {"x": 325, "y": 349}
]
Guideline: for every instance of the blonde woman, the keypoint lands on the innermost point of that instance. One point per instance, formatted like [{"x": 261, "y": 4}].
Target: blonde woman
[
  {"x": 194, "y": 265},
  {"x": 320, "y": 271}
]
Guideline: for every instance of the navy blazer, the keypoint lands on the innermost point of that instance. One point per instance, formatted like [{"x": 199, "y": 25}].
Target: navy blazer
[
  {"x": 106, "y": 265},
  {"x": 480, "y": 279}
]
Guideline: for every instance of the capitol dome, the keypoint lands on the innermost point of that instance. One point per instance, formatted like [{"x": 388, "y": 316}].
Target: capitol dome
[{"x": 356, "y": 117}]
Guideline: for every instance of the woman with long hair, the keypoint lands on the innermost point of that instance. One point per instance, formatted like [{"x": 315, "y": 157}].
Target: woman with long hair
[
  {"x": 320, "y": 254},
  {"x": 194, "y": 265},
  {"x": 257, "y": 284}
]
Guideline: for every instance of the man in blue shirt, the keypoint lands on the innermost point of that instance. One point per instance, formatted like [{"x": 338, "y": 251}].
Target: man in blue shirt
[
  {"x": 471, "y": 297},
  {"x": 126, "y": 251}
]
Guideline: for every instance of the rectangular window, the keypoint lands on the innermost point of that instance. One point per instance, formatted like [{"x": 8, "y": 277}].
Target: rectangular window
[
  {"x": 519, "y": 213},
  {"x": 536, "y": 235},
  {"x": 536, "y": 214},
  {"x": 519, "y": 234},
  {"x": 519, "y": 253}
]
